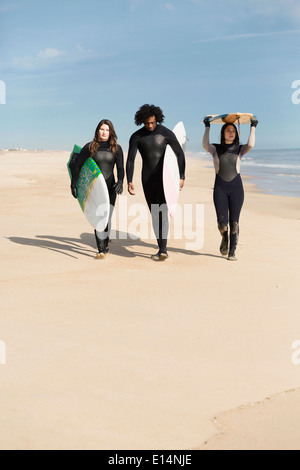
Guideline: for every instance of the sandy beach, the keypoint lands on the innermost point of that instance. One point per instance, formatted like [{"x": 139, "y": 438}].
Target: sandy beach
[{"x": 125, "y": 353}]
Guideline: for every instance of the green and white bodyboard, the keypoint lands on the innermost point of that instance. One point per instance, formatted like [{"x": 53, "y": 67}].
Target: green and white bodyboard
[{"x": 92, "y": 192}]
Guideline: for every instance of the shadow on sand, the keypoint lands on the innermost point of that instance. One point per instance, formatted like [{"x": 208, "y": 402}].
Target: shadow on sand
[{"x": 125, "y": 245}]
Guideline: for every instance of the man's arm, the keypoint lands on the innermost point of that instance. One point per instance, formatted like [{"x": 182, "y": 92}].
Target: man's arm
[
  {"x": 132, "y": 151},
  {"x": 177, "y": 149}
]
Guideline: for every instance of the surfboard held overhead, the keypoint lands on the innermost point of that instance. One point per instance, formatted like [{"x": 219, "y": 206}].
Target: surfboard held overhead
[{"x": 230, "y": 118}]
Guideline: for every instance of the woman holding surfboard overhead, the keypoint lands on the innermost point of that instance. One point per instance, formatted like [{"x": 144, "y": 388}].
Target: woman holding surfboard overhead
[
  {"x": 106, "y": 152},
  {"x": 228, "y": 189},
  {"x": 151, "y": 141}
]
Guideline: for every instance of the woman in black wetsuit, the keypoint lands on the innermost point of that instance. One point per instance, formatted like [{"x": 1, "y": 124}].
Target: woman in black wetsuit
[
  {"x": 228, "y": 190},
  {"x": 106, "y": 152},
  {"x": 151, "y": 141}
]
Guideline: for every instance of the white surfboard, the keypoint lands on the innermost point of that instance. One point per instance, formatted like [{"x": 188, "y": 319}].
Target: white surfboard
[
  {"x": 93, "y": 196},
  {"x": 231, "y": 118},
  {"x": 171, "y": 176}
]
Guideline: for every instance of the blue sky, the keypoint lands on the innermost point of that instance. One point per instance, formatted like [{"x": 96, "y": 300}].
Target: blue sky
[{"x": 67, "y": 64}]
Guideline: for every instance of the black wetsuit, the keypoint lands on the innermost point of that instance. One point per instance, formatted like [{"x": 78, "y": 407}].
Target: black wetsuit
[
  {"x": 106, "y": 161},
  {"x": 152, "y": 146},
  {"x": 229, "y": 191}
]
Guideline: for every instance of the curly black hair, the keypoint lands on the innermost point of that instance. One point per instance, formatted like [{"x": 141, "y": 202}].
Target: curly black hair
[{"x": 146, "y": 111}]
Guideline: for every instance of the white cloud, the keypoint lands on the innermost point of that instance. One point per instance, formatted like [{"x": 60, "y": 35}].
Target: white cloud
[
  {"x": 43, "y": 57},
  {"x": 280, "y": 8},
  {"x": 133, "y": 4},
  {"x": 250, "y": 35},
  {"x": 169, "y": 6},
  {"x": 5, "y": 7},
  {"x": 260, "y": 8},
  {"x": 48, "y": 53},
  {"x": 84, "y": 53},
  {"x": 48, "y": 57}
]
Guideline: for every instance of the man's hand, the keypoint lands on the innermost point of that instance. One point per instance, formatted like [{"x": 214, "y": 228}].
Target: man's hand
[{"x": 131, "y": 189}]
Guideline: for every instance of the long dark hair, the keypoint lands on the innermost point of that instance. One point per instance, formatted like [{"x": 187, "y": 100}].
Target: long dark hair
[
  {"x": 236, "y": 140},
  {"x": 146, "y": 111},
  {"x": 112, "y": 138}
]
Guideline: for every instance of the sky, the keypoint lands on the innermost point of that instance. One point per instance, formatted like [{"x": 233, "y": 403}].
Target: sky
[{"x": 65, "y": 65}]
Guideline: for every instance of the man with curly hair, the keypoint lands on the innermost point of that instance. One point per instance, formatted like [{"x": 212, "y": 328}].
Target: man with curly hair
[{"x": 151, "y": 141}]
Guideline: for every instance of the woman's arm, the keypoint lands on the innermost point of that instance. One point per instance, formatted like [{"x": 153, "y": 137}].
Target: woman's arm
[
  {"x": 251, "y": 141},
  {"x": 210, "y": 148}
]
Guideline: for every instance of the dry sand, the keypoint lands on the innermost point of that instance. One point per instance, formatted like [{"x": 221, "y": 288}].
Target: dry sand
[{"x": 126, "y": 353}]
